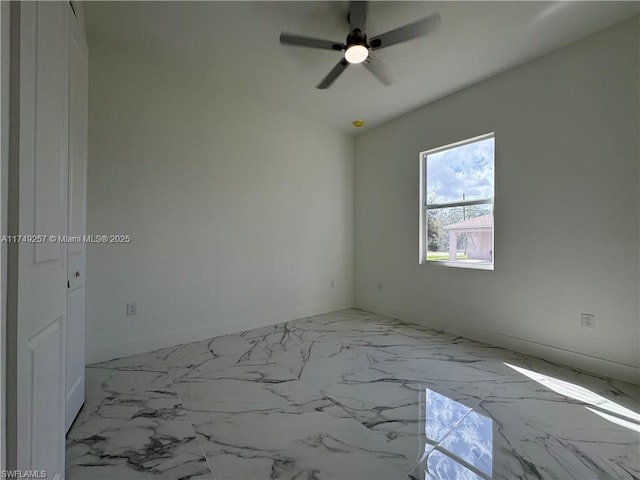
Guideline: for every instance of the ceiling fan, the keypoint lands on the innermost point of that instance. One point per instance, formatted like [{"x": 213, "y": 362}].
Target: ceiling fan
[{"x": 358, "y": 48}]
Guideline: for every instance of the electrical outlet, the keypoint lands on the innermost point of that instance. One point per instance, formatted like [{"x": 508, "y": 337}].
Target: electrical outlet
[
  {"x": 332, "y": 285},
  {"x": 588, "y": 320},
  {"x": 380, "y": 288},
  {"x": 132, "y": 309}
]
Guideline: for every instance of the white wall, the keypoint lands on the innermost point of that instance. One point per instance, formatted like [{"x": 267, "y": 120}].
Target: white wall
[
  {"x": 567, "y": 209},
  {"x": 241, "y": 213}
]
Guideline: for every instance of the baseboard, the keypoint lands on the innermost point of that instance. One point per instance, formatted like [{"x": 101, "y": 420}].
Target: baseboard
[
  {"x": 581, "y": 361},
  {"x": 110, "y": 352}
]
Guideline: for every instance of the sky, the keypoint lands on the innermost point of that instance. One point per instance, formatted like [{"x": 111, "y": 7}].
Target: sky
[
  {"x": 467, "y": 169},
  {"x": 461, "y": 431}
]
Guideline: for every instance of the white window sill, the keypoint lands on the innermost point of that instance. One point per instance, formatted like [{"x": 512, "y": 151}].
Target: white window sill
[{"x": 470, "y": 265}]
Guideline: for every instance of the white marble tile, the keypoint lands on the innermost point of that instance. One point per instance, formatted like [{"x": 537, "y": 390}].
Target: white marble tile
[
  {"x": 183, "y": 359},
  {"x": 539, "y": 431},
  {"x": 351, "y": 395},
  {"x": 143, "y": 447},
  {"x": 622, "y": 392},
  {"x": 542, "y": 430},
  {"x": 256, "y": 422},
  {"x": 149, "y": 361},
  {"x": 133, "y": 425}
]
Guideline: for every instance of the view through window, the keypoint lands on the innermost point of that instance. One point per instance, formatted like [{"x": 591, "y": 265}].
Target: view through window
[{"x": 457, "y": 203}]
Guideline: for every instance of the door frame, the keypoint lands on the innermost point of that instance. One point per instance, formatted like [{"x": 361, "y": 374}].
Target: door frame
[
  {"x": 5, "y": 25},
  {"x": 76, "y": 212}
]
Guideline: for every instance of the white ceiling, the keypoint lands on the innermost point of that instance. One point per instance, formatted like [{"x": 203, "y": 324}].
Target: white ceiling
[{"x": 236, "y": 43}]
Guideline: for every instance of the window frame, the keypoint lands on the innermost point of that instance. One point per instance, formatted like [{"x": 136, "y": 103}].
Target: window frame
[{"x": 425, "y": 207}]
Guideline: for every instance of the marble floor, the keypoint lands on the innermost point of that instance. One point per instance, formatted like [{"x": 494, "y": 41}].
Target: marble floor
[{"x": 351, "y": 395}]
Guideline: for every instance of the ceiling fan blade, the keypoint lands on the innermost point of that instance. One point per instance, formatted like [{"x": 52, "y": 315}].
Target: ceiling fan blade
[
  {"x": 310, "y": 42},
  {"x": 406, "y": 32},
  {"x": 378, "y": 69},
  {"x": 333, "y": 74},
  {"x": 357, "y": 15}
]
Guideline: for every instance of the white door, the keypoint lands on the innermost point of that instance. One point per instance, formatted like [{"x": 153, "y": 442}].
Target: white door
[
  {"x": 78, "y": 90},
  {"x": 42, "y": 210}
]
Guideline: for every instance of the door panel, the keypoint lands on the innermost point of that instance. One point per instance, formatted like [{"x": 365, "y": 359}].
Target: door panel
[
  {"x": 76, "y": 251},
  {"x": 50, "y": 139},
  {"x": 42, "y": 267},
  {"x": 46, "y": 358}
]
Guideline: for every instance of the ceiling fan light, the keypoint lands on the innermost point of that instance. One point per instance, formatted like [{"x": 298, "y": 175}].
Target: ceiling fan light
[{"x": 356, "y": 54}]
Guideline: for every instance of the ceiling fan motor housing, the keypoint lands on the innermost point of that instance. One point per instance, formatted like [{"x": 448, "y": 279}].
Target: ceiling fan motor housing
[{"x": 356, "y": 37}]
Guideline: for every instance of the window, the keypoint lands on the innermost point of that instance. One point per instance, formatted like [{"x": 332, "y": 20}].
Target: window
[{"x": 456, "y": 199}]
